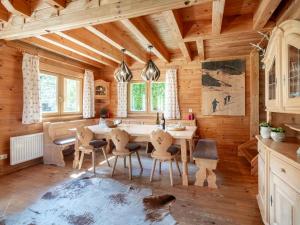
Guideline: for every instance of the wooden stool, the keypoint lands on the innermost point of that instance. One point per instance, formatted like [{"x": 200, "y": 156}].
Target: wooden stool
[{"x": 206, "y": 158}]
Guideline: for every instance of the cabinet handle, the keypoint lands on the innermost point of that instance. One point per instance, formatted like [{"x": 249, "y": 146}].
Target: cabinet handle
[{"x": 283, "y": 170}]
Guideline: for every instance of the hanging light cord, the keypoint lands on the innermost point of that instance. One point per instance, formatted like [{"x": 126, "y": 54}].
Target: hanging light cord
[{"x": 123, "y": 53}]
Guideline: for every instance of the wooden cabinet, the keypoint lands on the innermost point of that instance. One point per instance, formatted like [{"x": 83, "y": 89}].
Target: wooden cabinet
[
  {"x": 282, "y": 69},
  {"x": 284, "y": 203},
  {"x": 278, "y": 182}
]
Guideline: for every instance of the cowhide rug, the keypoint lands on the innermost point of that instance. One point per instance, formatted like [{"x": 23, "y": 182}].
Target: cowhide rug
[{"x": 96, "y": 201}]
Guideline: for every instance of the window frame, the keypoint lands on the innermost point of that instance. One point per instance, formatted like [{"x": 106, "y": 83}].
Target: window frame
[
  {"x": 148, "y": 110},
  {"x": 60, "y": 95}
]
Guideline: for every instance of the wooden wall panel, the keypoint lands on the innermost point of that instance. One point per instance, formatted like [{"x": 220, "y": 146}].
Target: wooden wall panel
[
  {"x": 11, "y": 102},
  {"x": 229, "y": 131}
]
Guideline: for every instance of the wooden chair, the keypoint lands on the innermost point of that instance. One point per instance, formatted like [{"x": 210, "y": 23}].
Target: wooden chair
[
  {"x": 206, "y": 158},
  {"x": 124, "y": 148},
  {"x": 164, "y": 151},
  {"x": 89, "y": 146}
]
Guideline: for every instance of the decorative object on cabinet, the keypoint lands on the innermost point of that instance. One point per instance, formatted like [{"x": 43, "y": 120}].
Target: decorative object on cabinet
[
  {"x": 151, "y": 71},
  {"x": 101, "y": 89},
  {"x": 277, "y": 134},
  {"x": 223, "y": 84},
  {"x": 282, "y": 63},
  {"x": 265, "y": 129},
  {"x": 123, "y": 73}
]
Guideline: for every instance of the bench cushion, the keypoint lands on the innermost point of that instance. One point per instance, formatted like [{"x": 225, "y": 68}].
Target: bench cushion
[
  {"x": 173, "y": 149},
  {"x": 133, "y": 146},
  {"x": 206, "y": 149},
  {"x": 98, "y": 143},
  {"x": 64, "y": 141}
]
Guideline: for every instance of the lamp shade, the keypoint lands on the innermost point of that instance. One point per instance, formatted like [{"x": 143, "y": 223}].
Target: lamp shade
[
  {"x": 150, "y": 72},
  {"x": 123, "y": 73}
]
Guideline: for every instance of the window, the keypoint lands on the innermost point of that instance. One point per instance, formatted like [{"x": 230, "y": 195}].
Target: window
[
  {"x": 146, "y": 97},
  {"x": 60, "y": 95}
]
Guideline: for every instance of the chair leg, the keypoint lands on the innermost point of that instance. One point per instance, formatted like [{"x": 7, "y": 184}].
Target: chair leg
[
  {"x": 153, "y": 169},
  {"x": 171, "y": 173},
  {"x": 114, "y": 167},
  {"x": 178, "y": 166},
  {"x": 159, "y": 167},
  {"x": 129, "y": 168},
  {"x": 125, "y": 162},
  {"x": 138, "y": 157},
  {"x": 81, "y": 160},
  {"x": 105, "y": 156},
  {"x": 93, "y": 161}
]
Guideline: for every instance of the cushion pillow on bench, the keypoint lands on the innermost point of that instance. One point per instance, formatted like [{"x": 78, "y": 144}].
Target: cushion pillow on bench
[
  {"x": 98, "y": 143},
  {"x": 64, "y": 141},
  {"x": 206, "y": 149}
]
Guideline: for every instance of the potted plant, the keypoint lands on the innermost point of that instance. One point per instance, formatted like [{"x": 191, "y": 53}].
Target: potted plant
[
  {"x": 278, "y": 134},
  {"x": 265, "y": 129},
  {"x": 104, "y": 113}
]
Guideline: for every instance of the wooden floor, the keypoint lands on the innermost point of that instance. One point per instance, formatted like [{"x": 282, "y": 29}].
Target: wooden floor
[{"x": 234, "y": 203}]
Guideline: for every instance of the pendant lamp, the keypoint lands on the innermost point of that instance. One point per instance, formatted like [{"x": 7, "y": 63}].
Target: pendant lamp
[
  {"x": 123, "y": 73},
  {"x": 150, "y": 72}
]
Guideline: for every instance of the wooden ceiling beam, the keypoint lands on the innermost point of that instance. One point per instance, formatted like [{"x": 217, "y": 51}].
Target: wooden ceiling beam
[
  {"x": 264, "y": 12},
  {"x": 88, "y": 40},
  {"x": 176, "y": 25},
  {"x": 200, "y": 48},
  {"x": 144, "y": 33},
  {"x": 217, "y": 15},
  {"x": 62, "y": 51},
  {"x": 21, "y": 8},
  {"x": 115, "y": 34},
  {"x": 290, "y": 12},
  {"x": 87, "y": 15},
  {"x": 59, "y": 4},
  {"x": 76, "y": 48}
]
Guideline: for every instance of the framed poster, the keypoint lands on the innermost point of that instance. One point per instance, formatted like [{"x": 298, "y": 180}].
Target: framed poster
[
  {"x": 101, "y": 89},
  {"x": 223, "y": 88}
]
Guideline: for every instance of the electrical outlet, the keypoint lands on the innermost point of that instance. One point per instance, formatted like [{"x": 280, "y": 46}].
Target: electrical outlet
[{"x": 3, "y": 156}]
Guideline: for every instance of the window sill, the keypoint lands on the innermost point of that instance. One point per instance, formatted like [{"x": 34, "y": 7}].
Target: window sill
[{"x": 61, "y": 118}]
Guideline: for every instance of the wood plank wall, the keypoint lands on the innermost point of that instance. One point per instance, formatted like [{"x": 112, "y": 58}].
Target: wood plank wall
[
  {"x": 229, "y": 131},
  {"x": 11, "y": 100}
]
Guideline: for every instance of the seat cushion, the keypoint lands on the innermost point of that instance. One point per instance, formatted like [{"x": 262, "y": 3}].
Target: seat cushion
[
  {"x": 98, "y": 143},
  {"x": 173, "y": 149},
  {"x": 133, "y": 146},
  {"x": 64, "y": 141},
  {"x": 206, "y": 149}
]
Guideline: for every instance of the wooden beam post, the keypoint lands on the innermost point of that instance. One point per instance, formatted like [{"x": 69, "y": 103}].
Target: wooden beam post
[
  {"x": 254, "y": 93},
  {"x": 142, "y": 30},
  {"x": 200, "y": 48},
  {"x": 176, "y": 25},
  {"x": 217, "y": 15},
  {"x": 264, "y": 12}
]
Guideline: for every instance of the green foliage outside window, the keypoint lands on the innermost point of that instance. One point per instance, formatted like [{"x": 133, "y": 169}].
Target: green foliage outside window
[
  {"x": 157, "y": 96},
  {"x": 138, "y": 97}
]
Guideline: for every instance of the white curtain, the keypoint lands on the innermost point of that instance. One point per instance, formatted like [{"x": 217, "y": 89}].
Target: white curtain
[
  {"x": 122, "y": 99},
  {"x": 31, "y": 90},
  {"x": 171, "y": 97},
  {"x": 88, "y": 104}
]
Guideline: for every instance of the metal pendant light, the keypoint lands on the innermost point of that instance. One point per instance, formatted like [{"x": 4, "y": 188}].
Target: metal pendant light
[
  {"x": 151, "y": 71},
  {"x": 123, "y": 73}
]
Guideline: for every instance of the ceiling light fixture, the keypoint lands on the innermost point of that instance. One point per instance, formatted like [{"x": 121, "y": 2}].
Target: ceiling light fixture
[
  {"x": 151, "y": 71},
  {"x": 123, "y": 73}
]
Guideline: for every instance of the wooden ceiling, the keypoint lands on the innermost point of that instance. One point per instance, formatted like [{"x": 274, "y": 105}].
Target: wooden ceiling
[{"x": 94, "y": 31}]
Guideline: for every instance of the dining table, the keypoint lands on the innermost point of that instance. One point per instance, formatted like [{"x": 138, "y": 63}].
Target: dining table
[{"x": 141, "y": 133}]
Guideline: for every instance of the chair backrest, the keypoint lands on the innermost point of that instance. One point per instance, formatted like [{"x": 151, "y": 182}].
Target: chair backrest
[
  {"x": 161, "y": 140},
  {"x": 120, "y": 138},
  {"x": 84, "y": 136}
]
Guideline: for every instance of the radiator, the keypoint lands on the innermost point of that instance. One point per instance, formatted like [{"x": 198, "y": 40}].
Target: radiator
[{"x": 24, "y": 148}]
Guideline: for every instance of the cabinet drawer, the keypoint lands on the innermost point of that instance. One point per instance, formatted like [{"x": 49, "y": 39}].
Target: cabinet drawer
[
  {"x": 285, "y": 171},
  {"x": 261, "y": 150}
]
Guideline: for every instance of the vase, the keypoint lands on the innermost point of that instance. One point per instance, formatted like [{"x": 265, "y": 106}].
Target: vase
[
  {"x": 265, "y": 132},
  {"x": 278, "y": 137}
]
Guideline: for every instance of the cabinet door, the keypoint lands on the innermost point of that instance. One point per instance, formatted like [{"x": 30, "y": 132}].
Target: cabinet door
[
  {"x": 262, "y": 187},
  {"x": 291, "y": 58},
  {"x": 284, "y": 203}
]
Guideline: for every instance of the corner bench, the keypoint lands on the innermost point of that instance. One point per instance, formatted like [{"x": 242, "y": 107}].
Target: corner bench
[{"x": 206, "y": 159}]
